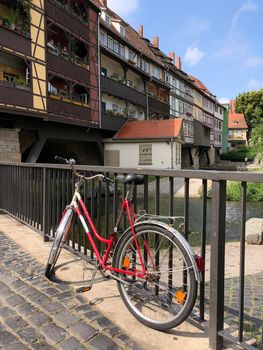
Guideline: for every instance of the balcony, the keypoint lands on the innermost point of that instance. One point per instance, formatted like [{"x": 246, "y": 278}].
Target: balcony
[
  {"x": 112, "y": 122},
  {"x": 158, "y": 106},
  {"x": 69, "y": 111},
  {"x": 56, "y": 11},
  {"x": 201, "y": 135},
  {"x": 74, "y": 71},
  {"x": 120, "y": 90},
  {"x": 12, "y": 94},
  {"x": 15, "y": 40}
]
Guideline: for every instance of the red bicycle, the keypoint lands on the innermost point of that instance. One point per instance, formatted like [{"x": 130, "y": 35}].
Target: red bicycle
[{"x": 155, "y": 268}]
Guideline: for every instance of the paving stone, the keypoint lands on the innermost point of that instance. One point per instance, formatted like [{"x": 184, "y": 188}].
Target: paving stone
[
  {"x": 71, "y": 344},
  {"x": 70, "y": 303},
  {"x": 15, "y": 300},
  {"x": 53, "y": 333},
  {"x": 52, "y": 307},
  {"x": 39, "y": 298},
  {"x": 7, "y": 278},
  {"x": 92, "y": 315},
  {"x": 82, "y": 331},
  {"x": 64, "y": 295},
  {"x": 51, "y": 291},
  {"x": 26, "y": 309},
  {"x": 42, "y": 345},
  {"x": 6, "y": 338},
  {"x": 28, "y": 334},
  {"x": 27, "y": 291},
  {"x": 3, "y": 287},
  {"x": 17, "y": 346},
  {"x": 103, "y": 322},
  {"x": 18, "y": 285},
  {"x": 84, "y": 308},
  {"x": 39, "y": 318},
  {"x": 6, "y": 312},
  {"x": 101, "y": 342},
  {"x": 65, "y": 318},
  {"x": 16, "y": 323}
]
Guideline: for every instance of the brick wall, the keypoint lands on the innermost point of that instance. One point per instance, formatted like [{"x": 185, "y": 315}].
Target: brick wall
[{"x": 9, "y": 145}]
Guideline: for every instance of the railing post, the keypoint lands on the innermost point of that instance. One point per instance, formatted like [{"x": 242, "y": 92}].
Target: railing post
[
  {"x": 45, "y": 207},
  {"x": 217, "y": 264}
]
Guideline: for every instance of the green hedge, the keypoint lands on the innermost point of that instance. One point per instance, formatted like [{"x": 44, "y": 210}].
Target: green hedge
[
  {"x": 238, "y": 155},
  {"x": 254, "y": 191}
]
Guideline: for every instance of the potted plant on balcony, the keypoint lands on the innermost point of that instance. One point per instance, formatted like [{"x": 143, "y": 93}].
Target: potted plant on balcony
[
  {"x": 20, "y": 83},
  {"x": 6, "y": 22}
]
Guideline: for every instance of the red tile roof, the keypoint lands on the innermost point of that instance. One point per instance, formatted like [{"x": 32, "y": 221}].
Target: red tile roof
[
  {"x": 150, "y": 129},
  {"x": 236, "y": 121},
  {"x": 132, "y": 37}
]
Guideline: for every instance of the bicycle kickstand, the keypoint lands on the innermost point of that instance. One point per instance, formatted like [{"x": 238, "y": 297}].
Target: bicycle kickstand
[{"x": 88, "y": 287}]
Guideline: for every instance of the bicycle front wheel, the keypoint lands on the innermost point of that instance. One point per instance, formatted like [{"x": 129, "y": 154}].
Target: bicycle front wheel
[
  {"x": 166, "y": 296},
  {"x": 59, "y": 240}
]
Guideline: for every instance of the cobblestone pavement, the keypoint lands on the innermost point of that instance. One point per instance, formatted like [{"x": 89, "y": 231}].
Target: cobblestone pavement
[
  {"x": 36, "y": 314},
  {"x": 253, "y": 305}
]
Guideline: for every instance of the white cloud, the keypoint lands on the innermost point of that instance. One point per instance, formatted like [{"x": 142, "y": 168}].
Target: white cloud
[
  {"x": 254, "y": 84},
  {"x": 254, "y": 61},
  {"x": 234, "y": 45},
  {"x": 193, "y": 56},
  {"x": 247, "y": 6},
  {"x": 196, "y": 26},
  {"x": 122, "y": 7},
  {"x": 224, "y": 100}
]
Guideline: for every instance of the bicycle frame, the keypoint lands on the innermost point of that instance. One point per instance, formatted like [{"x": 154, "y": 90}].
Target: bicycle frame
[{"x": 78, "y": 206}]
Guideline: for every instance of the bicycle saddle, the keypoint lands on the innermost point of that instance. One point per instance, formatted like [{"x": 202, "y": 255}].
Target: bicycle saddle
[{"x": 131, "y": 179}]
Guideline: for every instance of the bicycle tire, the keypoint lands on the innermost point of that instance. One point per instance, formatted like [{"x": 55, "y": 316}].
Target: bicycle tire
[
  {"x": 152, "y": 302},
  {"x": 58, "y": 242}
]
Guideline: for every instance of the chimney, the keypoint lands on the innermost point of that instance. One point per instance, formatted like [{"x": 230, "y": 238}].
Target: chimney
[
  {"x": 141, "y": 30},
  {"x": 178, "y": 63},
  {"x": 172, "y": 56},
  {"x": 104, "y": 3},
  {"x": 156, "y": 42}
]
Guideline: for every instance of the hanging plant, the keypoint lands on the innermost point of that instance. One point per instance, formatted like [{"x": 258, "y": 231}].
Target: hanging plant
[{"x": 24, "y": 17}]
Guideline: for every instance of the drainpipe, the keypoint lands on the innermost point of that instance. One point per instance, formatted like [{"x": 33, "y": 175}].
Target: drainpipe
[
  {"x": 99, "y": 68},
  {"x": 172, "y": 153}
]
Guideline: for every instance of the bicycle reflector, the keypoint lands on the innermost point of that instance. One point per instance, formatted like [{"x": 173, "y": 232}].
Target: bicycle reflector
[
  {"x": 180, "y": 296},
  {"x": 126, "y": 262},
  {"x": 199, "y": 262}
]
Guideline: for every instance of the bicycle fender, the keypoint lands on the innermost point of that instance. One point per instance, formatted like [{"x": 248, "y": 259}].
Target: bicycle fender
[{"x": 175, "y": 233}]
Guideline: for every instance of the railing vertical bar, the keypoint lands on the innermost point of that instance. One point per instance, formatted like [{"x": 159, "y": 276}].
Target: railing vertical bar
[
  {"x": 242, "y": 264},
  {"x": 85, "y": 240},
  {"x": 145, "y": 203},
  {"x": 186, "y": 223},
  {"x": 107, "y": 207},
  {"x": 170, "y": 260},
  {"x": 39, "y": 198},
  {"x": 58, "y": 196},
  {"x": 157, "y": 238},
  {"x": 217, "y": 261},
  {"x": 49, "y": 201},
  {"x": 157, "y": 195},
  {"x": 92, "y": 209},
  {"x": 27, "y": 195},
  {"x": 99, "y": 212},
  {"x": 29, "y": 191},
  {"x": 115, "y": 199},
  {"x": 203, "y": 247}
]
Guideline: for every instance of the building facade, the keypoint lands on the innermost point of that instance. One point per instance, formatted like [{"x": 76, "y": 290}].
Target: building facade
[
  {"x": 237, "y": 128},
  {"x": 49, "y": 85}
]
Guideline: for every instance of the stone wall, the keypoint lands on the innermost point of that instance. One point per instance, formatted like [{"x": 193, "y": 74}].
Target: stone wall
[{"x": 9, "y": 145}]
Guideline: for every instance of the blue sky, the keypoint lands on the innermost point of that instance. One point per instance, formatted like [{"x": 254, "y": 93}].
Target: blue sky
[{"x": 220, "y": 42}]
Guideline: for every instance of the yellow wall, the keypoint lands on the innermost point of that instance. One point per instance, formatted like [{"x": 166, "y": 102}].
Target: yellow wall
[
  {"x": 38, "y": 47},
  {"x": 237, "y": 136}
]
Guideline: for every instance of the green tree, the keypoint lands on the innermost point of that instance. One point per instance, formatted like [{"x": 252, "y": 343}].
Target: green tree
[
  {"x": 256, "y": 140},
  {"x": 251, "y": 105}
]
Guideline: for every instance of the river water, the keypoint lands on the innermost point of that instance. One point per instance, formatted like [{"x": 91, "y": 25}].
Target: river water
[{"x": 233, "y": 215}]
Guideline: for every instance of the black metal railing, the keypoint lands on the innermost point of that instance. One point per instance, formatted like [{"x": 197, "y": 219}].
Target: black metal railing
[{"x": 36, "y": 194}]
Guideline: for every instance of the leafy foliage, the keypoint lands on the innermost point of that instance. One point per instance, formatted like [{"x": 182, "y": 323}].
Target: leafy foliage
[
  {"x": 256, "y": 140},
  {"x": 239, "y": 154},
  {"x": 254, "y": 191},
  {"x": 251, "y": 105}
]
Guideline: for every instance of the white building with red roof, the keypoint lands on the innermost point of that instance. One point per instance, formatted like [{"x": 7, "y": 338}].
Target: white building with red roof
[{"x": 237, "y": 127}]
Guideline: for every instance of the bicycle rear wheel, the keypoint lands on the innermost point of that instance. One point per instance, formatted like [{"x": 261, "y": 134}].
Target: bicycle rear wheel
[
  {"x": 165, "y": 298},
  {"x": 59, "y": 240}
]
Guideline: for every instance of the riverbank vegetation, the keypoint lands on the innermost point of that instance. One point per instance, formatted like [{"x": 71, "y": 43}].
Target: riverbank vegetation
[{"x": 254, "y": 191}]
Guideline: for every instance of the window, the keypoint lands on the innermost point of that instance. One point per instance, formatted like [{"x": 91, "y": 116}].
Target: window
[
  {"x": 10, "y": 78},
  {"x": 110, "y": 42},
  {"x": 145, "y": 154},
  {"x": 147, "y": 67},
  {"x": 230, "y": 132},
  {"x": 221, "y": 111},
  {"x": 115, "y": 108},
  {"x": 216, "y": 108},
  {"x": 52, "y": 89},
  {"x": 122, "y": 30},
  {"x": 83, "y": 98},
  {"x": 103, "y": 71},
  {"x": 116, "y": 46},
  {"x": 103, "y": 37},
  {"x": 122, "y": 51},
  {"x": 156, "y": 72},
  {"x": 132, "y": 56},
  {"x": 131, "y": 113},
  {"x": 239, "y": 133},
  {"x": 107, "y": 19}
]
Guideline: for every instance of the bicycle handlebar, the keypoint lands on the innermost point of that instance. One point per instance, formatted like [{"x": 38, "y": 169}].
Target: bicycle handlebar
[{"x": 72, "y": 162}]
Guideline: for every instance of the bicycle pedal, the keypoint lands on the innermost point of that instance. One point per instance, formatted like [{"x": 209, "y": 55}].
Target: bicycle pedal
[{"x": 83, "y": 289}]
